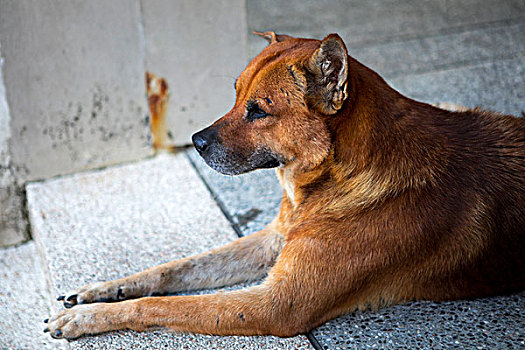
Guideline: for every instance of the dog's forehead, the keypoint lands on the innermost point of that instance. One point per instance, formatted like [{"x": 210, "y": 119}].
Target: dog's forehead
[{"x": 273, "y": 60}]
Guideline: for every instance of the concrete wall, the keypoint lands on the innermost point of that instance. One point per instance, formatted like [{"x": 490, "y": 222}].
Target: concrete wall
[{"x": 74, "y": 74}]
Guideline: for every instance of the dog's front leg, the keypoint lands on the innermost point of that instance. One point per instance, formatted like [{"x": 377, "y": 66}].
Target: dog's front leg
[
  {"x": 247, "y": 311},
  {"x": 311, "y": 282},
  {"x": 248, "y": 258},
  {"x": 250, "y": 311}
]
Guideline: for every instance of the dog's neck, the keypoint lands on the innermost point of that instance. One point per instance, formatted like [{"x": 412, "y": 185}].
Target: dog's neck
[{"x": 376, "y": 131}]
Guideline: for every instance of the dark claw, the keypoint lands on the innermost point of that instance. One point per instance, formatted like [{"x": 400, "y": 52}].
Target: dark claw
[
  {"x": 46, "y": 320},
  {"x": 46, "y": 330},
  {"x": 61, "y": 297},
  {"x": 71, "y": 297},
  {"x": 120, "y": 294},
  {"x": 68, "y": 305},
  {"x": 58, "y": 333}
]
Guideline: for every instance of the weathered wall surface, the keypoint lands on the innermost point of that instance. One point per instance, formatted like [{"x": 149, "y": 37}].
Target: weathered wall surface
[
  {"x": 199, "y": 47},
  {"x": 74, "y": 74}
]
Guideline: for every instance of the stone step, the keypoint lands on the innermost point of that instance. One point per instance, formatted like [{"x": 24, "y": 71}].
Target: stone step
[
  {"x": 108, "y": 224},
  {"x": 373, "y": 22},
  {"x": 497, "y": 85},
  {"x": 444, "y": 51}
]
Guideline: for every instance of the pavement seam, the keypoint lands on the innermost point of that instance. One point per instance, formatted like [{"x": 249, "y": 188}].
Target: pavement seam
[
  {"x": 216, "y": 198},
  {"x": 313, "y": 340}
]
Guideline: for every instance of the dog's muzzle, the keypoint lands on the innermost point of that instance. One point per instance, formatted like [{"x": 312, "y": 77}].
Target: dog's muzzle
[{"x": 207, "y": 142}]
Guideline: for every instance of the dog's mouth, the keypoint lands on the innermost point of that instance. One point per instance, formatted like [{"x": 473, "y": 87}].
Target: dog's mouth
[
  {"x": 227, "y": 162},
  {"x": 271, "y": 163}
]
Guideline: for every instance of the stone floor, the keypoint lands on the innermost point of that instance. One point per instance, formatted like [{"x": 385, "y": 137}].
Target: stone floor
[{"x": 106, "y": 224}]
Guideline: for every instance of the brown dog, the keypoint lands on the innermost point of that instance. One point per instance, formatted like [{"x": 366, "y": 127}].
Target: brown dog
[{"x": 385, "y": 200}]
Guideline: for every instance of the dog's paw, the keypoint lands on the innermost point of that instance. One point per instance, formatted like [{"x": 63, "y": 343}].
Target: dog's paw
[
  {"x": 78, "y": 321},
  {"x": 95, "y": 293}
]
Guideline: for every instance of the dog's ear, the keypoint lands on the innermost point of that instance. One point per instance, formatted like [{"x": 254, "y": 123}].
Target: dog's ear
[
  {"x": 328, "y": 75},
  {"x": 272, "y": 37}
]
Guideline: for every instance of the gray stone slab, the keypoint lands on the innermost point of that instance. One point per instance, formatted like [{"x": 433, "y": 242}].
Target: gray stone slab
[
  {"x": 200, "y": 48},
  {"x": 111, "y": 223},
  {"x": 492, "y": 323},
  {"x": 499, "y": 85},
  {"x": 74, "y": 77},
  {"x": 24, "y": 300},
  {"x": 252, "y": 200},
  {"x": 374, "y": 21},
  {"x": 442, "y": 51}
]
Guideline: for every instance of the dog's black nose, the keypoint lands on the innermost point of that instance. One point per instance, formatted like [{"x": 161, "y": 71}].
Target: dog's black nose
[
  {"x": 204, "y": 138},
  {"x": 199, "y": 142}
]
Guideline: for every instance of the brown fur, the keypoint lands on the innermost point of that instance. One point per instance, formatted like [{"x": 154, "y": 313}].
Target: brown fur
[{"x": 386, "y": 200}]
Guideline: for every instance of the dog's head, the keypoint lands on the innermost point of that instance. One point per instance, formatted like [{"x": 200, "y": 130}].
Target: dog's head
[{"x": 285, "y": 97}]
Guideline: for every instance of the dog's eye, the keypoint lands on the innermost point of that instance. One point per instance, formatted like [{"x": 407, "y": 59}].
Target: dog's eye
[
  {"x": 258, "y": 114},
  {"x": 254, "y": 111}
]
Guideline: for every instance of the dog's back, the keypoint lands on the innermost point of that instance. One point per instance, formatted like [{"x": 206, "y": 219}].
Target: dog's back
[
  {"x": 461, "y": 215},
  {"x": 480, "y": 201}
]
